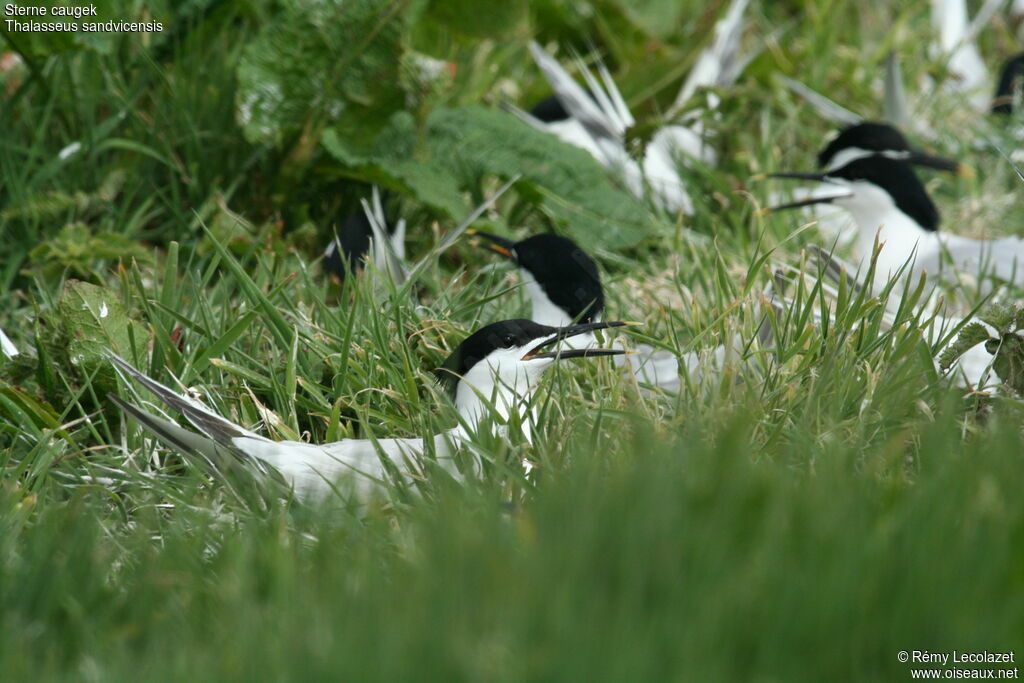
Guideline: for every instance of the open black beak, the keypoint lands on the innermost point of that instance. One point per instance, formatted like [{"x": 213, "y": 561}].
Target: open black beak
[
  {"x": 817, "y": 177},
  {"x": 575, "y": 331},
  {"x": 920, "y": 158},
  {"x": 810, "y": 201},
  {"x": 499, "y": 245}
]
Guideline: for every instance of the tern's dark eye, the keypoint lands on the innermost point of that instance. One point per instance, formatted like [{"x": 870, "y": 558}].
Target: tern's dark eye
[{"x": 509, "y": 340}]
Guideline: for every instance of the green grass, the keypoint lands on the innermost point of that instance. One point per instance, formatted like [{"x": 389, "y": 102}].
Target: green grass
[{"x": 803, "y": 522}]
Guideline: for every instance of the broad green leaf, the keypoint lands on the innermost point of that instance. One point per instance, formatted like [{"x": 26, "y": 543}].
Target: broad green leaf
[
  {"x": 94, "y": 321},
  {"x": 90, "y": 322},
  {"x": 656, "y": 17},
  {"x": 972, "y": 335},
  {"x": 393, "y": 164},
  {"x": 1002, "y": 316},
  {"x": 464, "y": 145}
]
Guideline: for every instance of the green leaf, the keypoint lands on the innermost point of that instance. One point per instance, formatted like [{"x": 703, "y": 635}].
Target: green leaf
[
  {"x": 1002, "y": 316},
  {"x": 464, "y": 145},
  {"x": 659, "y": 18},
  {"x": 393, "y": 164},
  {"x": 40, "y": 415},
  {"x": 92, "y": 320},
  {"x": 970, "y": 336},
  {"x": 328, "y": 61},
  {"x": 1009, "y": 361},
  {"x": 222, "y": 344}
]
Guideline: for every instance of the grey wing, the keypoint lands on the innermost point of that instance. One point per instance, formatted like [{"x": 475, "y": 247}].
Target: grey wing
[
  {"x": 652, "y": 366},
  {"x": 895, "y": 105},
  {"x": 315, "y": 471},
  {"x": 177, "y": 437},
  {"x": 387, "y": 248},
  {"x": 365, "y": 464}
]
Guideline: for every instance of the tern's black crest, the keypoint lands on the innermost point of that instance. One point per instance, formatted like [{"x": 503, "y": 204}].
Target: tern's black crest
[
  {"x": 346, "y": 253},
  {"x": 565, "y": 272},
  {"x": 898, "y": 179},
  {"x": 549, "y": 110},
  {"x": 1010, "y": 80},
  {"x": 506, "y": 334},
  {"x": 869, "y": 135}
]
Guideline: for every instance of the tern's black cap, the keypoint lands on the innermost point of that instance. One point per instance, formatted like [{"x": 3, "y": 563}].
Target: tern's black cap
[
  {"x": 872, "y": 136},
  {"x": 506, "y": 334},
  {"x": 350, "y": 246}
]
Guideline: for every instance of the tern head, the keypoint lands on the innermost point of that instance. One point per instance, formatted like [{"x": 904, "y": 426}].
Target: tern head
[
  {"x": 562, "y": 280},
  {"x": 872, "y": 138},
  {"x": 502, "y": 363},
  {"x": 549, "y": 110},
  {"x": 871, "y": 189},
  {"x": 1010, "y": 81},
  {"x": 345, "y": 253}
]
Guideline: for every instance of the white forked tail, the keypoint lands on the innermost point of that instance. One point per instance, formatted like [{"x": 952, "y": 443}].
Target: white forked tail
[
  {"x": 720, "y": 63},
  {"x": 602, "y": 121},
  {"x": 387, "y": 249},
  {"x": 7, "y": 347},
  {"x": 313, "y": 471},
  {"x": 600, "y": 118}
]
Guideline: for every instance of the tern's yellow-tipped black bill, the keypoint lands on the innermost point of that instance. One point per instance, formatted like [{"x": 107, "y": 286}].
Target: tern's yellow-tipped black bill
[{"x": 496, "y": 243}]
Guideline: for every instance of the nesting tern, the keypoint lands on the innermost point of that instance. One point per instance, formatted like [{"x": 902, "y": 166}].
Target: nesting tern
[
  {"x": 564, "y": 286},
  {"x": 887, "y": 202},
  {"x": 858, "y": 141},
  {"x": 492, "y": 373}
]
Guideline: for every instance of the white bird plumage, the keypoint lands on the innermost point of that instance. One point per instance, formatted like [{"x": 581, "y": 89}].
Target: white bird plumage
[
  {"x": 7, "y": 346},
  {"x": 494, "y": 373},
  {"x": 973, "y": 369},
  {"x": 311, "y": 470},
  {"x": 889, "y": 204}
]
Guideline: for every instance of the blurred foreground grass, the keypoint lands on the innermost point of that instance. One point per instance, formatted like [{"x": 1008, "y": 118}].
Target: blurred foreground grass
[{"x": 680, "y": 560}]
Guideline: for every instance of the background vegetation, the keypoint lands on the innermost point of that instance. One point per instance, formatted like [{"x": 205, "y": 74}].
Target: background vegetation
[{"x": 805, "y": 522}]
